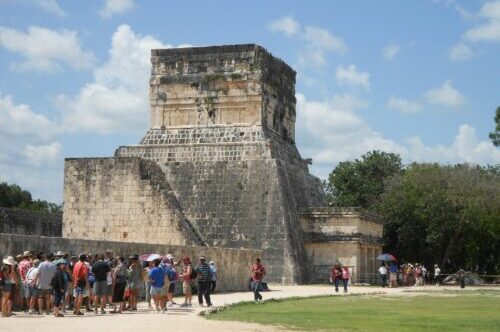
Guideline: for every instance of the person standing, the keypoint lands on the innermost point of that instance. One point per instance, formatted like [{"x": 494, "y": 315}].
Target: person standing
[
  {"x": 135, "y": 279},
  {"x": 172, "y": 278},
  {"x": 119, "y": 285},
  {"x": 156, "y": 277},
  {"x": 213, "y": 278},
  {"x": 100, "y": 269},
  {"x": 23, "y": 268},
  {"x": 257, "y": 273},
  {"x": 8, "y": 277},
  {"x": 31, "y": 279},
  {"x": 204, "y": 276},
  {"x": 336, "y": 276},
  {"x": 59, "y": 284},
  {"x": 46, "y": 271},
  {"x": 147, "y": 283},
  {"x": 437, "y": 274},
  {"x": 187, "y": 272},
  {"x": 461, "y": 277},
  {"x": 80, "y": 275},
  {"x": 346, "y": 275},
  {"x": 383, "y": 274}
]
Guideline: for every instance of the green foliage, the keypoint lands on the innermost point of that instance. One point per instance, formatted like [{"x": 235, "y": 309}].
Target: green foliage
[
  {"x": 466, "y": 311},
  {"x": 361, "y": 182},
  {"x": 495, "y": 135},
  {"x": 448, "y": 215},
  {"x": 13, "y": 196}
]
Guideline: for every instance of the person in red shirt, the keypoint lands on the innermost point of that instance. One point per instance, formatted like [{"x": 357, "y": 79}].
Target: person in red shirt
[
  {"x": 80, "y": 272},
  {"x": 258, "y": 272},
  {"x": 345, "y": 277},
  {"x": 336, "y": 276}
]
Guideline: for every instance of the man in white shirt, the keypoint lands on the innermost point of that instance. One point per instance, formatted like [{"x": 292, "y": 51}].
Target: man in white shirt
[
  {"x": 383, "y": 274},
  {"x": 437, "y": 274},
  {"x": 31, "y": 280}
]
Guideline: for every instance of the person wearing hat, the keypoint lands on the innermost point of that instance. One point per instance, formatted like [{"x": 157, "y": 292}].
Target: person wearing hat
[
  {"x": 8, "y": 277},
  {"x": 204, "y": 274},
  {"x": 213, "y": 277},
  {"x": 59, "y": 286},
  {"x": 23, "y": 268}
]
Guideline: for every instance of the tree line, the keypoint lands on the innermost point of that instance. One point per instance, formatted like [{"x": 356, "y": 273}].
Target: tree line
[
  {"x": 13, "y": 196},
  {"x": 444, "y": 214}
]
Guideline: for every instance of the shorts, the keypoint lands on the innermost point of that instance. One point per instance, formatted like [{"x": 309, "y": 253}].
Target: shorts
[
  {"x": 80, "y": 288},
  {"x": 26, "y": 290},
  {"x": 7, "y": 287},
  {"x": 186, "y": 287},
  {"x": 157, "y": 291},
  {"x": 43, "y": 292},
  {"x": 171, "y": 287},
  {"x": 109, "y": 289},
  {"x": 58, "y": 297},
  {"x": 392, "y": 276},
  {"x": 32, "y": 292},
  {"x": 100, "y": 288}
]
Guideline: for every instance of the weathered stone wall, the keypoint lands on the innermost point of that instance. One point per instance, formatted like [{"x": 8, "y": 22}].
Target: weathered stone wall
[
  {"x": 21, "y": 221},
  {"x": 121, "y": 199},
  {"x": 233, "y": 264},
  {"x": 350, "y": 236}
]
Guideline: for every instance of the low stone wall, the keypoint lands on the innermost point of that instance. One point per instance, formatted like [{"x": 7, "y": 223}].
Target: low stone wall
[
  {"x": 233, "y": 264},
  {"x": 27, "y": 222}
]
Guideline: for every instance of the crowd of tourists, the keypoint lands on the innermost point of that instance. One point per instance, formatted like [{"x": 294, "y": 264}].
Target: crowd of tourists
[
  {"x": 408, "y": 274},
  {"x": 55, "y": 283}
]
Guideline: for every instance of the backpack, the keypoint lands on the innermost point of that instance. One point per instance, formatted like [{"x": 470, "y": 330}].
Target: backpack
[{"x": 194, "y": 274}]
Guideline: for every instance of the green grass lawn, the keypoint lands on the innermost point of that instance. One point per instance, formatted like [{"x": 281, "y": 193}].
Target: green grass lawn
[{"x": 451, "y": 311}]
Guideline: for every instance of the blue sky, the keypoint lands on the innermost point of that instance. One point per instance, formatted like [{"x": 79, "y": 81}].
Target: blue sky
[{"x": 420, "y": 78}]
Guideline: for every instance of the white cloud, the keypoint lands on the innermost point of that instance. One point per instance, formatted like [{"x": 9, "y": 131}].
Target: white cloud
[
  {"x": 117, "y": 99},
  {"x": 115, "y": 7},
  {"x": 318, "y": 42},
  {"x": 389, "y": 52},
  {"x": 350, "y": 75},
  {"x": 51, "y": 6},
  {"x": 287, "y": 25},
  {"x": 42, "y": 154},
  {"x": 461, "y": 52},
  {"x": 29, "y": 155},
  {"x": 489, "y": 28},
  {"x": 337, "y": 134},
  {"x": 445, "y": 95},
  {"x": 403, "y": 105},
  {"x": 46, "y": 49}
]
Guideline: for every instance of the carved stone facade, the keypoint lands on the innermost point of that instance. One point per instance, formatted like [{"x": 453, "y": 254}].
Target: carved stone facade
[{"x": 227, "y": 172}]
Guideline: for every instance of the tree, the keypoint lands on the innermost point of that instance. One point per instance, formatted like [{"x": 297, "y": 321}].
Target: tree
[
  {"x": 13, "y": 196},
  {"x": 495, "y": 135},
  {"x": 444, "y": 214},
  {"x": 361, "y": 182}
]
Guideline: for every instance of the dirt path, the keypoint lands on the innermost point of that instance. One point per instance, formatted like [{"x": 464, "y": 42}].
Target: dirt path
[{"x": 178, "y": 319}]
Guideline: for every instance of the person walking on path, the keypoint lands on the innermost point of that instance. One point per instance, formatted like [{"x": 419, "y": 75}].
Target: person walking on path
[
  {"x": 80, "y": 274},
  {"x": 437, "y": 274},
  {"x": 8, "y": 278},
  {"x": 119, "y": 285},
  {"x": 147, "y": 283},
  {"x": 393, "y": 275},
  {"x": 100, "y": 270},
  {"x": 336, "y": 276},
  {"x": 258, "y": 272},
  {"x": 157, "y": 279},
  {"x": 46, "y": 271},
  {"x": 383, "y": 274},
  {"x": 187, "y": 272},
  {"x": 213, "y": 278},
  {"x": 58, "y": 286},
  {"x": 204, "y": 275},
  {"x": 346, "y": 275}
]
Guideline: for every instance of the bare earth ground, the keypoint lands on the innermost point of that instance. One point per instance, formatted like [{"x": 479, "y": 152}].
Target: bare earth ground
[{"x": 181, "y": 319}]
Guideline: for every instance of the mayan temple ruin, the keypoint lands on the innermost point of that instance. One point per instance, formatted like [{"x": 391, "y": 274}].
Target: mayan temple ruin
[{"x": 218, "y": 167}]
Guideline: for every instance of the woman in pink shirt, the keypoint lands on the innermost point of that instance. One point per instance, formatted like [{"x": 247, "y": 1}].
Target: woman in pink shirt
[
  {"x": 186, "y": 281},
  {"x": 345, "y": 277}
]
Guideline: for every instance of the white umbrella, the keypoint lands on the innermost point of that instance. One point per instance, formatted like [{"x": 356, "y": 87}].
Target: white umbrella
[{"x": 152, "y": 257}]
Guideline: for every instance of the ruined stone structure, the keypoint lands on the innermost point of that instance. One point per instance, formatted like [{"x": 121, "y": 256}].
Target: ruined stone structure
[
  {"x": 19, "y": 221},
  {"x": 218, "y": 166}
]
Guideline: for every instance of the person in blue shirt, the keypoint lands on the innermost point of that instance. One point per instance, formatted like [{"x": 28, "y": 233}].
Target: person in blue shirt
[{"x": 157, "y": 279}]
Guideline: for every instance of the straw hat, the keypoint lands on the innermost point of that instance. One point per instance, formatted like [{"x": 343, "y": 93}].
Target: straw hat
[
  {"x": 26, "y": 254},
  {"x": 59, "y": 253},
  {"x": 9, "y": 261}
]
